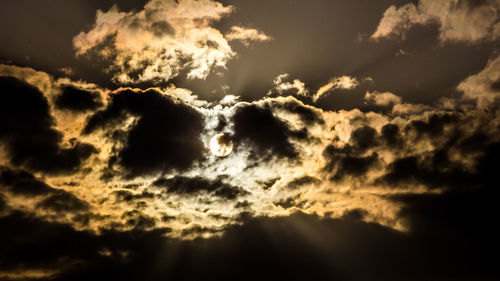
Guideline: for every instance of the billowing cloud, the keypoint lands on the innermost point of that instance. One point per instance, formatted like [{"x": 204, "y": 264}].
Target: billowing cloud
[
  {"x": 151, "y": 155},
  {"x": 162, "y": 40},
  {"x": 483, "y": 87},
  {"x": 464, "y": 20},
  {"x": 382, "y": 99}
]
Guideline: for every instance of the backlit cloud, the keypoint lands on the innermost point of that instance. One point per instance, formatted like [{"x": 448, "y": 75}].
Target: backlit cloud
[
  {"x": 245, "y": 35},
  {"x": 463, "y": 20},
  {"x": 164, "y": 39}
]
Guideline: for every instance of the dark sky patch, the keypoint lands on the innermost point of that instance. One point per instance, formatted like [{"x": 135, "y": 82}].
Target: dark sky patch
[
  {"x": 27, "y": 133},
  {"x": 166, "y": 136},
  {"x": 74, "y": 99}
]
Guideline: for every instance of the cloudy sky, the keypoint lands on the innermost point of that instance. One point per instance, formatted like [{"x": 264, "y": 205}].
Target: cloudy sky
[{"x": 249, "y": 140}]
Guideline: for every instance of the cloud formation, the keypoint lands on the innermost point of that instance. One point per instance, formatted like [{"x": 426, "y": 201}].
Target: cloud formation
[
  {"x": 483, "y": 87},
  {"x": 464, "y": 20},
  {"x": 28, "y": 134},
  {"x": 162, "y": 41},
  {"x": 297, "y": 88},
  {"x": 245, "y": 35}
]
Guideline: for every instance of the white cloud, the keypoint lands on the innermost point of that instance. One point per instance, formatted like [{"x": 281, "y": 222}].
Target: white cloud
[
  {"x": 483, "y": 87},
  {"x": 160, "y": 41},
  {"x": 245, "y": 35},
  {"x": 341, "y": 82},
  {"x": 282, "y": 87},
  {"x": 458, "y": 20},
  {"x": 382, "y": 99}
]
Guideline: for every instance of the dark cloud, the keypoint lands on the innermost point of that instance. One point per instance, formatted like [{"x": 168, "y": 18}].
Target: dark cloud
[
  {"x": 266, "y": 184},
  {"x": 196, "y": 185},
  {"x": 62, "y": 201},
  {"x": 342, "y": 249},
  {"x": 436, "y": 169},
  {"x": 355, "y": 165},
  {"x": 291, "y": 202},
  {"x": 390, "y": 134},
  {"x": 3, "y": 204},
  {"x": 243, "y": 204},
  {"x": 356, "y": 214},
  {"x": 364, "y": 137},
  {"x": 348, "y": 161},
  {"x": 24, "y": 184},
  {"x": 124, "y": 195},
  {"x": 434, "y": 125},
  {"x": 266, "y": 133},
  {"x": 166, "y": 135},
  {"x": 306, "y": 114},
  {"x": 78, "y": 100},
  {"x": 301, "y": 181},
  {"x": 27, "y": 133},
  {"x": 139, "y": 220}
]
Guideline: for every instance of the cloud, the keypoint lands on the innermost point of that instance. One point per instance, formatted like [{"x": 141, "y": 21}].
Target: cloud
[
  {"x": 26, "y": 130},
  {"x": 382, "y": 99},
  {"x": 283, "y": 88},
  {"x": 463, "y": 21},
  {"x": 39, "y": 197},
  {"x": 245, "y": 35},
  {"x": 342, "y": 82},
  {"x": 76, "y": 99},
  {"x": 263, "y": 244},
  {"x": 483, "y": 87},
  {"x": 298, "y": 88},
  {"x": 265, "y": 133},
  {"x": 162, "y": 41},
  {"x": 194, "y": 185},
  {"x": 288, "y": 156},
  {"x": 165, "y": 135}
]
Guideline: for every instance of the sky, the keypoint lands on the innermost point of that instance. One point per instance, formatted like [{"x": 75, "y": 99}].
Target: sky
[{"x": 249, "y": 140}]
